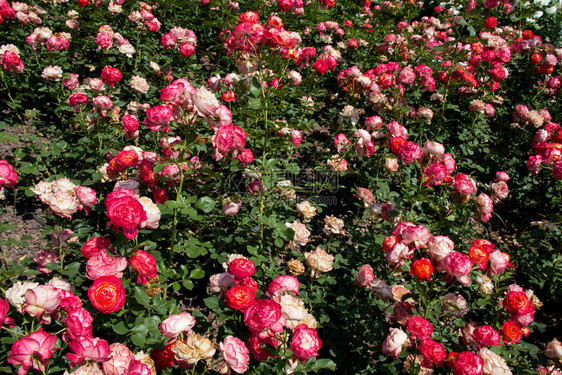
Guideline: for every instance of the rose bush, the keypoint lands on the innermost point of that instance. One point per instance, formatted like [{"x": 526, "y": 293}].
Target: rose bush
[{"x": 379, "y": 179}]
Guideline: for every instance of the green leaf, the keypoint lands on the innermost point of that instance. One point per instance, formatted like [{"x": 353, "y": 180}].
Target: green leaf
[
  {"x": 71, "y": 270},
  {"x": 325, "y": 363},
  {"x": 254, "y": 103},
  {"x": 212, "y": 302},
  {"x": 138, "y": 339},
  {"x": 120, "y": 328},
  {"x": 197, "y": 274},
  {"x": 141, "y": 296},
  {"x": 255, "y": 87},
  {"x": 206, "y": 204}
]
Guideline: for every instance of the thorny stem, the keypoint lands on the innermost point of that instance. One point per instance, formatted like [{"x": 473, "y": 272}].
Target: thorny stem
[
  {"x": 12, "y": 331},
  {"x": 175, "y": 222}
]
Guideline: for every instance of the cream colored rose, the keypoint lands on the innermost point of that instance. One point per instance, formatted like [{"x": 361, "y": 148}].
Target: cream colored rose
[
  {"x": 301, "y": 233},
  {"x": 152, "y": 213},
  {"x": 63, "y": 204},
  {"x": 52, "y": 73},
  {"x": 205, "y": 102},
  {"x": 293, "y": 309},
  {"x": 333, "y": 225},
  {"x": 319, "y": 260},
  {"x": 145, "y": 359},
  {"x": 552, "y": 350},
  {"x": 493, "y": 363},
  {"x": 16, "y": 294},
  {"x": 139, "y": 84},
  {"x": 306, "y": 210},
  {"x": 195, "y": 348}
]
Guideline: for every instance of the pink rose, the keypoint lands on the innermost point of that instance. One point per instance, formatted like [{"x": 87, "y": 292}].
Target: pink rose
[
  {"x": 264, "y": 315},
  {"x": 103, "y": 264},
  {"x": 486, "y": 336},
  {"x": 498, "y": 262},
  {"x": 228, "y": 138},
  {"x": 392, "y": 345},
  {"x": 119, "y": 360},
  {"x": 104, "y": 40},
  {"x": 44, "y": 257},
  {"x": 406, "y": 77},
  {"x": 130, "y": 123},
  {"x": 484, "y": 207},
  {"x": 463, "y": 187},
  {"x": 458, "y": 265},
  {"x": 33, "y": 350},
  {"x": 409, "y": 152},
  {"x": 172, "y": 326},
  {"x": 435, "y": 174},
  {"x": 305, "y": 342},
  {"x": 111, "y": 75},
  {"x": 136, "y": 367},
  {"x": 341, "y": 142},
  {"x": 296, "y": 137},
  {"x": 158, "y": 116},
  {"x": 235, "y": 354},
  {"x": 231, "y": 207},
  {"x": 125, "y": 211},
  {"x": 219, "y": 283},
  {"x": 78, "y": 323},
  {"x": 501, "y": 191},
  {"x": 86, "y": 348},
  {"x": 41, "y": 302},
  {"x": 364, "y": 276},
  {"x": 438, "y": 247},
  {"x": 255, "y": 344},
  {"x": 416, "y": 236},
  {"x": 86, "y": 196},
  {"x": 8, "y": 176},
  {"x": 398, "y": 254},
  {"x": 283, "y": 284},
  {"x": 175, "y": 90}
]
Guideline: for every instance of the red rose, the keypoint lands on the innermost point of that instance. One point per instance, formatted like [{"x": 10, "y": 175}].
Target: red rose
[
  {"x": 78, "y": 98},
  {"x": 419, "y": 328},
  {"x": 239, "y": 297},
  {"x": 145, "y": 264},
  {"x": 163, "y": 358},
  {"x": 321, "y": 66},
  {"x": 241, "y": 268},
  {"x": 518, "y": 302},
  {"x": 111, "y": 75},
  {"x": 422, "y": 269},
  {"x": 305, "y": 342},
  {"x": 511, "y": 333},
  {"x": 491, "y": 22},
  {"x": 468, "y": 363},
  {"x": 107, "y": 294},
  {"x": 94, "y": 245},
  {"x": 433, "y": 351}
]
